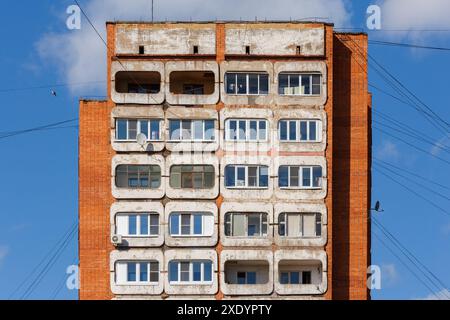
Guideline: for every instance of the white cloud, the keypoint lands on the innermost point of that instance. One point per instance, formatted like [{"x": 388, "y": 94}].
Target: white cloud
[
  {"x": 444, "y": 294},
  {"x": 444, "y": 142},
  {"x": 80, "y": 55},
  {"x": 414, "y": 14},
  {"x": 388, "y": 151},
  {"x": 4, "y": 250},
  {"x": 389, "y": 273}
]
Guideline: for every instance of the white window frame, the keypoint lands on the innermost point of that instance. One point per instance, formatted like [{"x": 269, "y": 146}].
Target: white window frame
[
  {"x": 138, "y": 224},
  {"x": 246, "y": 130},
  {"x": 138, "y": 272},
  {"x": 300, "y": 76},
  {"x": 191, "y": 272},
  {"x": 298, "y": 130},
  {"x": 247, "y": 82},
  {"x": 317, "y": 220},
  {"x": 246, "y": 186},
  {"x": 191, "y": 224},
  {"x": 229, "y": 222},
  {"x": 192, "y": 131},
  {"x": 300, "y": 178},
  {"x": 138, "y": 129}
]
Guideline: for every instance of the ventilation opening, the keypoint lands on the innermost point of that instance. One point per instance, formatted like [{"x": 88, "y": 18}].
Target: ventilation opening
[
  {"x": 298, "y": 50},
  {"x": 141, "y": 50},
  {"x": 195, "y": 49},
  {"x": 247, "y": 49}
]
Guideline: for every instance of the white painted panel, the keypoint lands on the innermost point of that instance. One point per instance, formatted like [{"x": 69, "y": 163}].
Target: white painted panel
[
  {"x": 121, "y": 272},
  {"x": 208, "y": 225},
  {"x": 122, "y": 224}
]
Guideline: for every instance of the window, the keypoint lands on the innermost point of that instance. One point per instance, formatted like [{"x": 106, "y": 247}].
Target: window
[
  {"x": 138, "y": 176},
  {"x": 299, "y": 84},
  {"x": 246, "y": 224},
  {"x": 142, "y": 272},
  {"x": 305, "y": 225},
  {"x": 300, "y": 177},
  {"x": 137, "y": 225},
  {"x": 193, "y": 89},
  {"x": 242, "y": 176},
  {"x": 299, "y": 130},
  {"x": 128, "y": 129},
  {"x": 192, "y": 82},
  {"x": 246, "y": 130},
  {"x": 295, "y": 277},
  {"x": 191, "y": 130},
  {"x": 191, "y": 224},
  {"x": 141, "y": 50},
  {"x": 247, "y": 277},
  {"x": 247, "y": 83},
  {"x": 195, "y": 50},
  {"x": 192, "y": 176},
  {"x": 190, "y": 272}
]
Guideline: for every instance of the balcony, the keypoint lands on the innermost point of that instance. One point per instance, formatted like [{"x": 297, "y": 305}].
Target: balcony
[
  {"x": 246, "y": 272},
  {"x": 132, "y": 85},
  {"x": 192, "y": 82},
  {"x": 300, "y": 272}
]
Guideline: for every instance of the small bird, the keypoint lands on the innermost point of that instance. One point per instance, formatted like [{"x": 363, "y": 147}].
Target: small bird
[{"x": 53, "y": 93}]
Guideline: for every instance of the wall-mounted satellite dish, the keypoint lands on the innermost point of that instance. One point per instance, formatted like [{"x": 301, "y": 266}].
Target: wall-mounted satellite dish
[{"x": 141, "y": 140}]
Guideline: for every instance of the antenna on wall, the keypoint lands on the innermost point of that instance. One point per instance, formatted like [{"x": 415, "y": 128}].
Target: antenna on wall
[{"x": 152, "y": 10}]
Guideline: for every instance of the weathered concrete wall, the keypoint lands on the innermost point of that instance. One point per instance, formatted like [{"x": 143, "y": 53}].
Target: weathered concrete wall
[
  {"x": 166, "y": 39},
  {"x": 274, "y": 39}
]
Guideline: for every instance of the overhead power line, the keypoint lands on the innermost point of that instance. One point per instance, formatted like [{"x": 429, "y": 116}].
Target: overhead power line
[
  {"x": 51, "y": 126},
  {"x": 48, "y": 86},
  {"x": 407, "y": 45}
]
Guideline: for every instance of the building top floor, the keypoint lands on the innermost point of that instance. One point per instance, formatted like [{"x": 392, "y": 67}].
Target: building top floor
[{"x": 274, "y": 38}]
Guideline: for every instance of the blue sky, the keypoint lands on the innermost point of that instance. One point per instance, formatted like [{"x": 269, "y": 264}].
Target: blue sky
[{"x": 38, "y": 193}]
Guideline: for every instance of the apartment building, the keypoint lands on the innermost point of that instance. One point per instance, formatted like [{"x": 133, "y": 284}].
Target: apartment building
[{"x": 230, "y": 160}]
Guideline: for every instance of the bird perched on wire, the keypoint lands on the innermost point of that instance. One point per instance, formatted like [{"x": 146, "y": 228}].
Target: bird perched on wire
[{"x": 53, "y": 92}]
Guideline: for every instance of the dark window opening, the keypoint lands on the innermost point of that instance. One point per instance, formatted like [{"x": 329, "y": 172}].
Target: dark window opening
[
  {"x": 247, "y": 49},
  {"x": 195, "y": 49},
  {"x": 192, "y": 82},
  {"x": 144, "y": 82},
  {"x": 141, "y": 50},
  {"x": 298, "y": 50}
]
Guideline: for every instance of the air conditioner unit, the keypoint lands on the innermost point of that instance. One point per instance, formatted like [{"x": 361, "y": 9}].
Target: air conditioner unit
[{"x": 116, "y": 239}]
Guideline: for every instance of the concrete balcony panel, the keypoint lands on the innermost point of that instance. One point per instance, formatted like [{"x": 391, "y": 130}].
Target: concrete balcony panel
[
  {"x": 250, "y": 67},
  {"x": 136, "y": 255},
  {"x": 299, "y": 114},
  {"x": 183, "y": 113},
  {"x": 191, "y": 255},
  {"x": 192, "y": 159},
  {"x": 138, "y": 208},
  {"x": 280, "y": 208},
  {"x": 138, "y": 193},
  {"x": 314, "y": 261},
  {"x": 190, "y": 240},
  {"x": 296, "y": 193},
  {"x": 302, "y": 67},
  {"x": 139, "y": 113},
  {"x": 142, "y": 75},
  {"x": 258, "y": 261},
  {"x": 181, "y": 74},
  {"x": 246, "y": 207}
]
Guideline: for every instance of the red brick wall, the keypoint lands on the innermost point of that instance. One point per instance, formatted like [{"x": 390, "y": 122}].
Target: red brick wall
[
  {"x": 351, "y": 163},
  {"x": 95, "y": 199}
]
